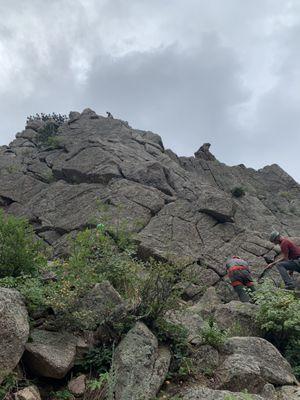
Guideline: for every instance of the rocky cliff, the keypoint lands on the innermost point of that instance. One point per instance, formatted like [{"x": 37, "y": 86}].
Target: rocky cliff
[
  {"x": 181, "y": 207},
  {"x": 67, "y": 174}
]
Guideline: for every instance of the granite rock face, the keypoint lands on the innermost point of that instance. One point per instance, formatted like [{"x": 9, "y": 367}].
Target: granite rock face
[
  {"x": 238, "y": 318},
  {"x": 250, "y": 363},
  {"x": 181, "y": 207}
]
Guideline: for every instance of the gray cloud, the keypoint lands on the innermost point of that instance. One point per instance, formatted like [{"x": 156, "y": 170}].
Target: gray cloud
[{"x": 191, "y": 71}]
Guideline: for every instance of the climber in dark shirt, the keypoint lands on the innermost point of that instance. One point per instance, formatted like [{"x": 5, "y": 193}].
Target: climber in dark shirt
[{"x": 289, "y": 261}]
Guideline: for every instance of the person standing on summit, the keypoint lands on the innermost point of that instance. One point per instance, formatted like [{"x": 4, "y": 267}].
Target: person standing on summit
[{"x": 289, "y": 261}]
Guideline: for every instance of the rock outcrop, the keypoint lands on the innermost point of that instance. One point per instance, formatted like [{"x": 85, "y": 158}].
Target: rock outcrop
[
  {"x": 14, "y": 330},
  {"x": 250, "y": 363},
  {"x": 238, "y": 318},
  {"x": 139, "y": 365},
  {"x": 289, "y": 393},
  {"x": 184, "y": 209},
  {"x": 50, "y": 354},
  {"x": 181, "y": 207}
]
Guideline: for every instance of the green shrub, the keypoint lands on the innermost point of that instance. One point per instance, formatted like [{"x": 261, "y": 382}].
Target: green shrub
[
  {"x": 158, "y": 291},
  {"x": 8, "y": 385},
  {"x": 62, "y": 395},
  {"x": 59, "y": 119},
  {"x": 238, "y": 191},
  {"x": 97, "y": 360},
  {"x": 292, "y": 353},
  {"x": 96, "y": 257},
  {"x": 279, "y": 318},
  {"x": 96, "y": 384},
  {"x": 54, "y": 142},
  {"x": 20, "y": 252},
  {"x": 31, "y": 287},
  {"x": 102, "y": 255},
  {"x": 47, "y": 135},
  {"x": 279, "y": 313},
  {"x": 212, "y": 335},
  {"x": 175, "y": 337}
]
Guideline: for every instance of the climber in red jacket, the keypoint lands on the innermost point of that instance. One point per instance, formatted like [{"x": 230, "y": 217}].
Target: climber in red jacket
[{"x": 240, "y": 277}]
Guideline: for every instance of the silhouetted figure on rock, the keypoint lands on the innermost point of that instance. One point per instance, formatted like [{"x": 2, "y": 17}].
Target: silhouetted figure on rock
[{"x": 109, "y": 115}]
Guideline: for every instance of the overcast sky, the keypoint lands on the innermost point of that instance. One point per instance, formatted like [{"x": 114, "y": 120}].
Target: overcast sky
[{"x": 220, "y": 71}]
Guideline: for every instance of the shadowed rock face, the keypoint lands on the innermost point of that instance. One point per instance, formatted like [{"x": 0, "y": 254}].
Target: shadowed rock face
[{"x": 181, "y": 207}]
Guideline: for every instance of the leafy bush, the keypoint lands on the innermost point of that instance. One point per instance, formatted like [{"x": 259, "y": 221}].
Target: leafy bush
[
  {"x": 158, "y": 292},
  {"x": 175, "y": 337},
  {"x": 212, "y": 335},
  {"x": 97, "y": 360},
  {"x": 279, "y": 318},
  {"x": 54, "y": 142},
  {"x": 62, "y": 395},
  {"x": 97, "y": 256},
  {"x": 279, "y": 313},
  {"x": 292, "y": 353},
  {"x": 31, "y": 287},
  {"x": 8, "y": 385},
  {"x": 47, "y": 134},
  {"x": 59, "y": 119},
  {"x": 101, "y": 254},
  {"x": 20, "y": 252},
  {"x": 238, "y": 191}
]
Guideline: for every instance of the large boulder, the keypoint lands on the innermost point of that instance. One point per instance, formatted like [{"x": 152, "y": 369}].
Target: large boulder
[
  {"x": 139, "y": 365},
  {"x": 203, "y": 393},
  {"x": 250, "y": 363},
  {"x": 205, "y": 359},
  {"x": 199, "y": 278},
  {"x": 289, "y": 393},
  {"x": 217, "y": 204},
  {"x": 238, "y": 318},
  {"x": 101, "y": 302},
  {"x": 188, "y": 320},
  {"x": 14, "y": 330},
  {"x": 50, "y": 354}
]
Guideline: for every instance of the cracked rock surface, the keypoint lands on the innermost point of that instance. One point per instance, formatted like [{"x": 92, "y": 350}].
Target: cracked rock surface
[{"x": 180, "y": 207}]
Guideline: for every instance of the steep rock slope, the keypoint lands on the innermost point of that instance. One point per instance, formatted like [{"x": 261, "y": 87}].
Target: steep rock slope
[{"x": 181, "y": 207}]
